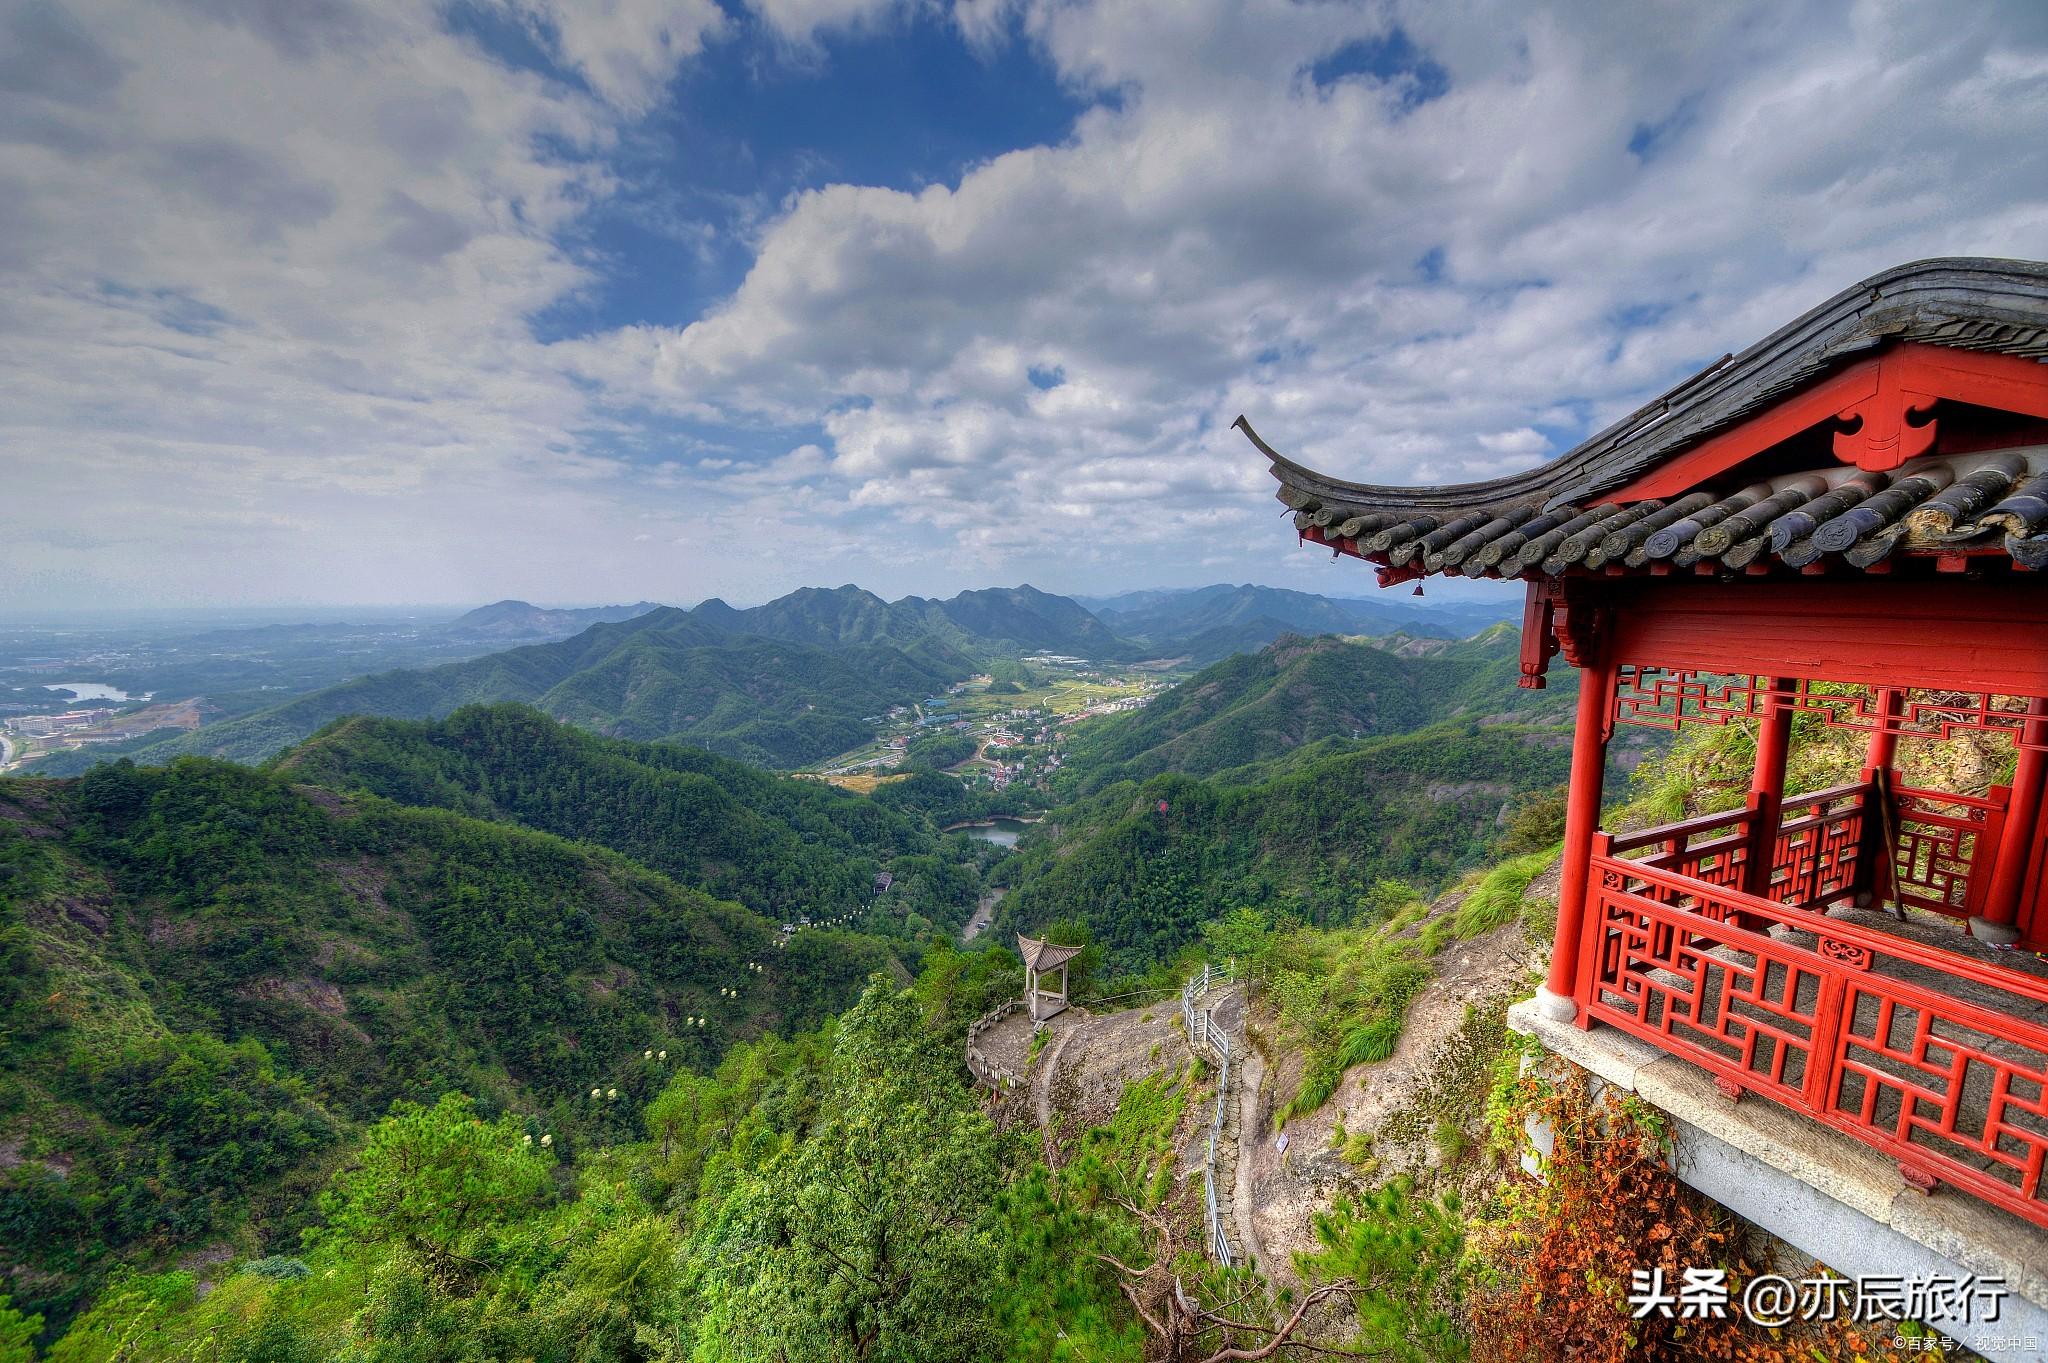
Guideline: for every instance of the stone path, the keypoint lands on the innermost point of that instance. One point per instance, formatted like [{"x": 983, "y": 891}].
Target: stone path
[
  {"x": 1224, "y": 1004},
  {"x": 1008, "y": 1042},
  {"x": 1250, "y": 1086}
]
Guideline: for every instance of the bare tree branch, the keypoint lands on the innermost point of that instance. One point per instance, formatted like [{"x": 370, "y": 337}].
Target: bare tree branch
[{"x": 1283, "y": 1337}]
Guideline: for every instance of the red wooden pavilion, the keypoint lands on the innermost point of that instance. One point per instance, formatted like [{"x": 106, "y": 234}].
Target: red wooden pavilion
[{"x": 1844, "y": 521}]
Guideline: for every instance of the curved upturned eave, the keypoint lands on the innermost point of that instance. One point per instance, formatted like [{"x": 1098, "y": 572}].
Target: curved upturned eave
[{"x": 2007, "y": 300}]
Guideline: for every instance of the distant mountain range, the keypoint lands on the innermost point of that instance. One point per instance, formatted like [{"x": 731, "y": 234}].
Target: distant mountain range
[
  {"x": 788, "y": 682},
  {"x": 966, "y": 627},
  {"x": 662, "y": 675},
  {"x": 523, "y": 620},
  {"x": 1204, "y": 624},
  {"x": 779, "y": 685}
]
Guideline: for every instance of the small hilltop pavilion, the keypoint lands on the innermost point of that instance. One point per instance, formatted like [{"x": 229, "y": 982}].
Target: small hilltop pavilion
[
  {"x": 1833, "y": 992},
  {"x": 1041, "y": 958}
]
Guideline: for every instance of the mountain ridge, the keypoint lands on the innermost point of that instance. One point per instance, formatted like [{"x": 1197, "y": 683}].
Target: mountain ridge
[
  {"x": 1295, "y": 691},
  {"x": 781, "y": 684},
  {"x": 213, "y": 975},
  {"x": 1208, "y": 623},
  {"x": 515, "y": 619}
]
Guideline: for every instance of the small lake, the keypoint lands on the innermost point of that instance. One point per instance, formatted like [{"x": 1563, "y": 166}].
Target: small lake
[
  {"x": 93, "y": 691},
  {"x": 1001, "y": 832}
]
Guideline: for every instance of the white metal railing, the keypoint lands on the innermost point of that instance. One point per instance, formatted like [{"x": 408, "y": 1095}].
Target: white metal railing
[
  {"x": 1195, "y": 1020},
  {"x": 1203, "y": 1034}
]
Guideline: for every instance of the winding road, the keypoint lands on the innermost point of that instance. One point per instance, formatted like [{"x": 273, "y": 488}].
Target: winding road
[{"x": 984, "y": 914}]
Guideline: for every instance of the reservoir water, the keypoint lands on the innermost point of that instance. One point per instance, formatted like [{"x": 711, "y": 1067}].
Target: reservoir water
[
  {"x": 1000, "y": 831},
  {"x": 93, "y": 691}
]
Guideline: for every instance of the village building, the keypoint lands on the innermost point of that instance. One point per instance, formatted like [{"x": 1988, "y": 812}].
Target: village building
[{"x": 1834, "y": 994}]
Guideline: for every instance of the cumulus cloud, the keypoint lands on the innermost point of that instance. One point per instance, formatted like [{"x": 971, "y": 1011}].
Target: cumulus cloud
[
  {"x": 1397, "y": 283},
  {"x": 625, "y": 50},
  {"x": 275, "y": 275},
  {"x": 281, "y": 276}
]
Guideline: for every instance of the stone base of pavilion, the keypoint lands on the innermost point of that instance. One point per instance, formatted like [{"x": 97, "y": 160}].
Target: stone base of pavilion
[{"x": 1824, "y": 1194}]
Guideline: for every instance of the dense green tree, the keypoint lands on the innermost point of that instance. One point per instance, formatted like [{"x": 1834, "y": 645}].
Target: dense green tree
[
  {"x": 431, "y": 1177},
  {"x": 1145, "y": 866},
  {"x": 869, "y": 1238},
  {"x": 936, "y": 752},
  {"x": 1404, "y": 1252},
  {"x": 17, "y": 1333}
]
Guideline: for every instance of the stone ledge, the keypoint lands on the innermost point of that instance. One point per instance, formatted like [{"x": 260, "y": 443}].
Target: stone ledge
[
  {"x": 1876, "y": 1213},
  {"x": 1615, "y": 1057},
  {"x": 1846, "y": 1170}
]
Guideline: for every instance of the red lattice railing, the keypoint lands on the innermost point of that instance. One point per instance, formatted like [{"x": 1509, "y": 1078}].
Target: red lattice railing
[
  {"x": 1819, "y": 846},
  {"x": 1938, "y": 1071},
  {"x": 1815, "y": 857},
  {"x": 1713, "y": 848},
  {"x": 1943, "y": 847}
]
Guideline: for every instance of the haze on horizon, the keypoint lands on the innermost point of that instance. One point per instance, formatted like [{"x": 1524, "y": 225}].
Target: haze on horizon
[{"x": 365, "y": 304}]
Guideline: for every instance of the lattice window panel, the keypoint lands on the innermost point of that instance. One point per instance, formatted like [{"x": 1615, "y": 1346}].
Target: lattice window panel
[{"x": 1665, "y": 698}]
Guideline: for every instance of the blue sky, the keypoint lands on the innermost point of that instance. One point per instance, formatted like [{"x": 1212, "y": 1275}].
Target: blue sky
[
  {"x": 902, "y": 103},
  {"x": 326, "y": 302}
]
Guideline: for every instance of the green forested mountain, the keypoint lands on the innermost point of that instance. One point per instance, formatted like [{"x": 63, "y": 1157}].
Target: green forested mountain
[
  {"x": 839, "y": 1195},
  {"x": 293, "y": 1073},
  {"x": 964, "y": 628},
  {"x": 1143, "y": 865},
  {"x": 839, "y": 617},
  {"x": 661, "y": 675},
  {"x": 1034, "y": 620},
  {"x": 210, "y": 977},
  {"x": 1259, "y": 706},
  {"x": 774, "y": 844},
  {"x": 778, "y": 685}
]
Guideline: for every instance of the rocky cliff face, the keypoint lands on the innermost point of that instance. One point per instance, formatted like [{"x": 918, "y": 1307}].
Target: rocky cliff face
[{"x": 1419, "y": 1113}]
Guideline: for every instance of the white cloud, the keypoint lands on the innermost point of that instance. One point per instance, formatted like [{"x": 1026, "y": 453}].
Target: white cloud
[
  {"x": 270, "y": 271},
  {"x": 627, "y": 51},
  {"x": 1233, "y": 236}
]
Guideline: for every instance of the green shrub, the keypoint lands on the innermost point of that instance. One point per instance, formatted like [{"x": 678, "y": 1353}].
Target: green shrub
[{"x": 1497, "y": 898}]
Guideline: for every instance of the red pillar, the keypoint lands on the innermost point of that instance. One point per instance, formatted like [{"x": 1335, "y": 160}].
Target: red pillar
[
  {"x": 2015, "y": 844},
  {"x": 1884, "y": 740},
  {"x": 1767, "y": 786},
  {"x": 1581, "y": 822},
  {"x": 1876, "y": 870}
]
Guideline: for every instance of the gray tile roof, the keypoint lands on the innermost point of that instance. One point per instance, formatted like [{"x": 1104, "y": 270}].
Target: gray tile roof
[
  {"x": 1933, "y": 506},
  {"x": 1550, "y": 520},
  {"x": 1043, "y": 955}
]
